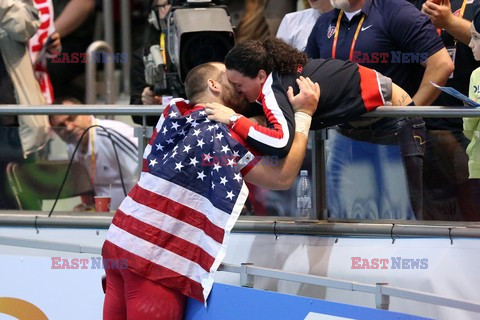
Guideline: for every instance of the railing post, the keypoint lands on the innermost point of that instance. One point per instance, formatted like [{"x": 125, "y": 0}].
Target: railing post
[
  {"x": 382, "y": 301},
  {"x": 126, "y": 44},
  {"x": 319, "y": 174},
  {"x": 91, "y": 72},
  {"x": 246, "y": 280}
]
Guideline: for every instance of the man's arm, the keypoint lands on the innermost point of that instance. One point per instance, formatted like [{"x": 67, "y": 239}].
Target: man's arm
[
  {"x": 399, "y": 96},
  {"x": 74, "y": 14},
  {"x": 19, "y": 20},
  {"x": 442, "y": 17},
  {"x": 438, "y": 68}
]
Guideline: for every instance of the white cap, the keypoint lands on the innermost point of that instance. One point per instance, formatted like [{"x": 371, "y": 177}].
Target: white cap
[{"x": 304, "y": 173}]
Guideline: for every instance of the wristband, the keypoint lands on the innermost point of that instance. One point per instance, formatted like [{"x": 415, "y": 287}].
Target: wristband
[{"x": 302, "y": 122}]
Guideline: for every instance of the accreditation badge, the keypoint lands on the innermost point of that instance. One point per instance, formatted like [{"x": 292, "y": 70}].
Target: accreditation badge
[{"x": 452, "y": 51}]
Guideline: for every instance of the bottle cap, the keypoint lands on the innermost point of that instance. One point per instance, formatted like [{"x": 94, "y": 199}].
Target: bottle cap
[{"x": 304, "y": 173}]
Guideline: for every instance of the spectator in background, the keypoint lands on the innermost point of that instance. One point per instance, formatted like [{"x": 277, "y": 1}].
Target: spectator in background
[
  {"x": 96, "y": 152},
  {"x": 19, "y": 136},
  {"x": 372, "y": 33},
  {"x": 261, "y": 18},
  {"x": 448, "y": 193},
  {"x": 296, "y": 26},
  {"x": 472, "y": 125},
  {"x": 75, "y": 22}
]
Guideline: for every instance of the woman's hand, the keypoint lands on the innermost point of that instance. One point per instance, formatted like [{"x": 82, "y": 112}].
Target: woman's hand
[
  {"x": 307, "y": 99},
  {"x": 218, "y": 112}
]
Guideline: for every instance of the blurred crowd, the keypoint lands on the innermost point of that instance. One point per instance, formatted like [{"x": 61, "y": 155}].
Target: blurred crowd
[{"x": 407, "y": 168}]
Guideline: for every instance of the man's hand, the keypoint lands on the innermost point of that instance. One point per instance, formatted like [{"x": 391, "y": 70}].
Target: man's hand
[
  {"x": 218, "y": 112},
  {"x": 149, "y": 98},
  {"x": 307, "y": 99},
  {"x": 440, "y": 14}
]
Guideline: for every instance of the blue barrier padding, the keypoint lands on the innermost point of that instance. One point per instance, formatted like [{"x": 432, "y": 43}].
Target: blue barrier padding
[{"x": 230, "y": 303}]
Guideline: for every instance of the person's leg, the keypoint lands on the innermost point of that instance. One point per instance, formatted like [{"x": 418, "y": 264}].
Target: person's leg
[
  {"x": 149, "y": 300},
  {"x": 114, "y": 307}
]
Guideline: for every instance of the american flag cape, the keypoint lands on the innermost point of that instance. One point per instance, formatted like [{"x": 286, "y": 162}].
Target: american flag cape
[{"x": 174, "y": 225}]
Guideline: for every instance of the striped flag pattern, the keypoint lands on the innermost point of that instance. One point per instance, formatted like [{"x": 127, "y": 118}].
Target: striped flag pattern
[{"x": 174, "y": 224}]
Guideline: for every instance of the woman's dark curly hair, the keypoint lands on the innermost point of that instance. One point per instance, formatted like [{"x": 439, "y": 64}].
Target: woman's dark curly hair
[{"x": 270, "y": 54}]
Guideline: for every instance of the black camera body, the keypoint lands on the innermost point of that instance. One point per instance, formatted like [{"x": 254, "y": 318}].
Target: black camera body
[{"x": 196, "y": 31}]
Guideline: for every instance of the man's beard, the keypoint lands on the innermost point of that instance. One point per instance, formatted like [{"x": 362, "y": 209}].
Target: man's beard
[
  {"x": 234, "y": 100},
  {"x": 341, "y": 4}
]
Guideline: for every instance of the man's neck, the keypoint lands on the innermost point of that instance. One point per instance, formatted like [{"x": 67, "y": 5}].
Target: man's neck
[{"x": 356, "y": 5}]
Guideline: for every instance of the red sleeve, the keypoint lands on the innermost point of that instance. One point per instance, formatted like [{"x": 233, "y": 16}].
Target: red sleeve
[
  {"x": 370, "y": 88},
  {"x": 277, "y": 139}
]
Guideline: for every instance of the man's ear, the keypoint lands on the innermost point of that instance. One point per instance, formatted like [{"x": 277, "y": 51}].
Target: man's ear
[
  {"x": 213, "y": 86},
  {"x": 262, "y": 75}
]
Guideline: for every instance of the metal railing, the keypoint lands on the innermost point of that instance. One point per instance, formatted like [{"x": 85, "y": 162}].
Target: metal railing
[
  {"x": 382, "y": 229},
  {"x": 247, "y": 271},
  {"x": 382, "y": 291},
  {"x": 431, "y": 112}
]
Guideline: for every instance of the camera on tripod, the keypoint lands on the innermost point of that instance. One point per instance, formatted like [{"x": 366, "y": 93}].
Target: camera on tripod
[{"x": 196, "y": 31}]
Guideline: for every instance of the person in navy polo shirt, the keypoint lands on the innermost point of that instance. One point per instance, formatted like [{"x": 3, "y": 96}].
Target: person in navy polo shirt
[
  {"x": 394, "y": 38},
  {"x": 449, "y": 194}
]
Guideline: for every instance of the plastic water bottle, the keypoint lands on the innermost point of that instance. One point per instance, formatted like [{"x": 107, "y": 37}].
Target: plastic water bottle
[{"x": 304, "y": 196}]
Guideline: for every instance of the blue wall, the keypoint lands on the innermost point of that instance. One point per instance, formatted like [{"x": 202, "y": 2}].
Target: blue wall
[{"x": 231, "y": 303}]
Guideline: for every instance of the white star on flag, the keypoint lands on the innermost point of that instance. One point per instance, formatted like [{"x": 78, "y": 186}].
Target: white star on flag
[
  {"x": 223, "y": 180},
  {"x": 172, "y": 114},
  {"x": 216, "y": 166},
  {"x": 153, "y": 162},
  {"x": 231, "y": 162},
  {"x": 219, "y": 136},
  {"x": 225, "y": 149},
  {"x": 159, "y": 147},
  {"x": 201, "y": 175},
  {"x": 193, "y": 161},
  {"x": 165, "y": 130},
  {"x": 196, "y": 132},
  {"x": 200, "y": 143},
  {"x": 237, "y": 177},
  {"x": 178, "y": 166},
  {"x": 186, "y": 148},
  {"x": 230, "y": 195},
  {"x": 175, "y": 125},
  {"x": 170, "y": 141}
]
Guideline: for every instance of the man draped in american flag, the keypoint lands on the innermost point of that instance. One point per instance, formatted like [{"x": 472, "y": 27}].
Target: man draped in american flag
[{"x": 169, "y": 235}]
